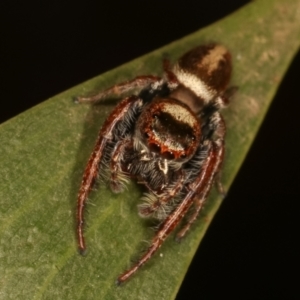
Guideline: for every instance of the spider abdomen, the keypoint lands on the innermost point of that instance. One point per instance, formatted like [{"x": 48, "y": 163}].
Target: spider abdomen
[{"x": 205, "y": 70}]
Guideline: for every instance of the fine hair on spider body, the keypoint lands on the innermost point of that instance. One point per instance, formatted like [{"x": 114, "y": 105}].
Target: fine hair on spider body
[{"x": 169, "y": 137}]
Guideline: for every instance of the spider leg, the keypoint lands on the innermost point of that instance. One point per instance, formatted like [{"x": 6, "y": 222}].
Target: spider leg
[
  {"x": 224, "y": 99},
  {"x": 219, "y": 186},
  {"x": 160, "y": 202},
  {"x": 139, "y": 82},
  {"x": 218, "y": 148},
  {"x": 117, "y": 177},
  {"x": 92, "y": 168},
  {"x": 172, "y": 79},
  {"x": 198, "y": 187}
]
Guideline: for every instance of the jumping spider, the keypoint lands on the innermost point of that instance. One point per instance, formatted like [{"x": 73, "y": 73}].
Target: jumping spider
[{"x": 169, "y": 137}]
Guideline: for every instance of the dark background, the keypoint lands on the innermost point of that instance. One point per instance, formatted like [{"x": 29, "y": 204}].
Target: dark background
[{"x": 250, "y": 250}]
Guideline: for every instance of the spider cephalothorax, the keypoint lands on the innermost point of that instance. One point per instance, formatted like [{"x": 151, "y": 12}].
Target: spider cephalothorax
[{"x": 169, "y": 136}]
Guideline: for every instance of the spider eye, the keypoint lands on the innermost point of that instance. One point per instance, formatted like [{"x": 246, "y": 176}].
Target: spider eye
[
  {"x": 168, "y": 155},
  {"x": 183, "y": 155},
  {"x": 154, "y": 148}
]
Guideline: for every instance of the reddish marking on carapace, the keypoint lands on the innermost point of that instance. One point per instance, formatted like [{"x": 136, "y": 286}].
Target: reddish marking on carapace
[{"x": 162, "y": 128}]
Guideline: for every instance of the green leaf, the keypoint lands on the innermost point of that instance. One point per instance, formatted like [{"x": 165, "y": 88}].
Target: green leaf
[{"x": 44, "y": 151}]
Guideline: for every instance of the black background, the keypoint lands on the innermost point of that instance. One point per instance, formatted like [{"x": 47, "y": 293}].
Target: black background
[{"x": 250, "y": 250}]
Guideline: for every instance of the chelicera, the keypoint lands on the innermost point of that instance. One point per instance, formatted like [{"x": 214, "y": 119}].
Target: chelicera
[{"x": 169, "y": 136}]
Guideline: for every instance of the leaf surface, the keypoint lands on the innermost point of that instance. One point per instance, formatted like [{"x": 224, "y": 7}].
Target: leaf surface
[{"x": 44, "y": 151}]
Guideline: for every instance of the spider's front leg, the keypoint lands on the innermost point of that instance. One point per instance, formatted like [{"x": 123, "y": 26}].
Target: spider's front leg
[
  {"x": 125, "y": 107},
  {"x": 218, "y": 146},
  {"x": 137, "y": 83},
  {"x": 118, "y": 178},
  {"x": 198, "y": 189},
  {"x": 201, "y": 196}
]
